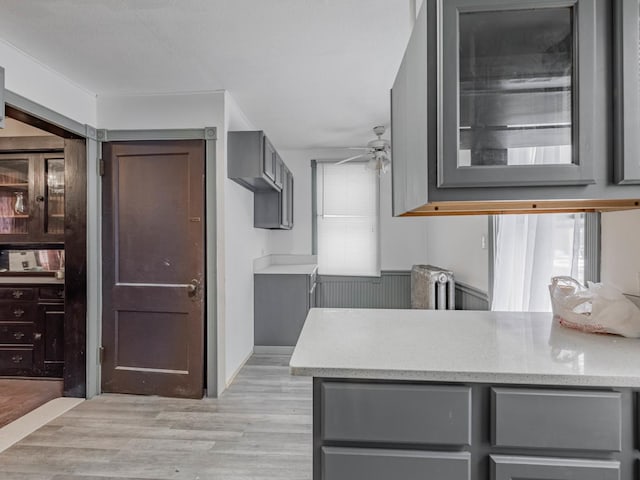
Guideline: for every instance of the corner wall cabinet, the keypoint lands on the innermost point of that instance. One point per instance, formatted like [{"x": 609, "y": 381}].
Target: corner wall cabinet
[
  {"x": 506, "y": 101},
  {"x": 627, "y": 92},
  {"x": 255, "y": 164}
]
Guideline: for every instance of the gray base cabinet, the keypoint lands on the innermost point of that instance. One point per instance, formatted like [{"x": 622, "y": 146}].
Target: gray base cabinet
[
  {"x": 369, "y": 429},
  {"x": 281, "y": 304},
  {"x": 378, "y": 464}
]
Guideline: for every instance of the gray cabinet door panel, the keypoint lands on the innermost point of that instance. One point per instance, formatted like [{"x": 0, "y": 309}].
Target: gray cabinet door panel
[
  {"x": 401, "y": 413},
  {"x": 562, "y": 419},
  {"x": 281, "y": 304},
  {"x": 409, "y": 138},
  {"x": 535, "y": 468},
  {"x": 370, "y": 464},
  {"x": 627, "y": 98}
]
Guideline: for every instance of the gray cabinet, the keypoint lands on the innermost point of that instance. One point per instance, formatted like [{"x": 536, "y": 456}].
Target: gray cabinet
[
  {"x": 252, "y": 160},
  {"x": 558, "y": 419},
  {"x": 274, "y": 209},
  {"x": 533, "y": 468},
  {"x": 499, "y": 106},
  {"x": 365, "y": 429},
  {"x": 627, "y": 91},
  {"x": 379, "y": 464},
  {"x": 1, "y": 97},
  {"x": 281, "y": 304}
]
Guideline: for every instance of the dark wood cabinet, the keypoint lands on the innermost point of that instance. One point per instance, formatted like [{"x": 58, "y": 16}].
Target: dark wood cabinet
[
  {"x": 1, "y": 97},
  {"x": 32, "y": 329},
  {"x": 32, "y": 197}
]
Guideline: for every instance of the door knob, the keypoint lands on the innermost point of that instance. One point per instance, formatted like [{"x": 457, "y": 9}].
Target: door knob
[{"x": 193, "y": 286}]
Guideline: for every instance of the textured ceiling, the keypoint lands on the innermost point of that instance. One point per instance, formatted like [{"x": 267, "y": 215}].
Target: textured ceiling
[{"x": 312, "y": 73}]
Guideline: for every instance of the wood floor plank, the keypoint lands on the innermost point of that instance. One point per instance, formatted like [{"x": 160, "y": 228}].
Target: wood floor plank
[
  {"x": 259, "y": 429},
  {"x": 20, "y": 396}
]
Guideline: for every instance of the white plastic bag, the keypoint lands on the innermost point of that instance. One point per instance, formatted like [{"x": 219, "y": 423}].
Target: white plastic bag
[{"x": 597, "y": 308}]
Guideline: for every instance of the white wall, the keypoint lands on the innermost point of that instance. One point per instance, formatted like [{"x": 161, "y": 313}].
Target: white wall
[
  {"x": 455, "y": 243},
  {"x": 621, "y": 250},
  {"x": 243, "y": 244},
  {"x": 37, "y": 82}
]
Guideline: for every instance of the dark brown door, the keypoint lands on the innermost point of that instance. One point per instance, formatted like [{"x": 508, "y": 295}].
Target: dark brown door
[{"x": 153, "y": 268}]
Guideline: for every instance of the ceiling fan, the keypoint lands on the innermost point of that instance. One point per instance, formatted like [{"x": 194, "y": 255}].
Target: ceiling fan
[{"x": 378, "y": 151}]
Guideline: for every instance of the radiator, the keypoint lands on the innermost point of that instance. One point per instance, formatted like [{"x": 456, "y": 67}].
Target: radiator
[{"x": 432, "y": 288}]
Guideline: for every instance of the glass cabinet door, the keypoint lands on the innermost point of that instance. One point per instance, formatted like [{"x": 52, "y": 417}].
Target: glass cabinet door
[
  {"x": 54, "y": 196},
  {"x": 512, "y": 113},
  {"x": 627, "y": 101},
  {"x": 14, "y": 195}
]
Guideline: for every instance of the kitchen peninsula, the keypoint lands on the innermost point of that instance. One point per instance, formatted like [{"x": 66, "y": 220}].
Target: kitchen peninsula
[{"x": 468, "y": 395}]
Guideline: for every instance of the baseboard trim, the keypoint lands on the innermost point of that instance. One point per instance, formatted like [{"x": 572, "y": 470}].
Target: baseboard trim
[
  {"x": 272, "y": 350},
  {"x": 237, "y": 371},
  {"x": 18, "y": 429}
]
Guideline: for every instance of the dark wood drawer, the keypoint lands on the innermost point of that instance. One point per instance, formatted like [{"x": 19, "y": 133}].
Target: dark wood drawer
[
  {"x": 396, "y": 413},
  {"x": 51, "y": 293},
  {"x": 557, "y": 419},
  {"x": 505, "y": 467},
  {"x": 19, "y": 333},
  {"x": 17, "y": 293},
  {"x": 378, "y": 464},
  {"x": 16, "y": 359},
  {"x": 18, "y": 311}
]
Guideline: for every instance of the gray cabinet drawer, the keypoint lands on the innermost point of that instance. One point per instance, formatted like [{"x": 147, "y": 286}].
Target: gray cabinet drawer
[
  {"x": 536, "y": 468},
  {"x": 396, "y": 413},
  {"x": 563, "y": 419},
  {"x": 378, "y": 464}
]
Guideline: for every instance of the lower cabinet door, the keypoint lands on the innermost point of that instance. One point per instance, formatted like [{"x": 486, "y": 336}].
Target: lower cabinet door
[
  {"x": 379, "y": 464},
  {"x": 505, "y": 467}
]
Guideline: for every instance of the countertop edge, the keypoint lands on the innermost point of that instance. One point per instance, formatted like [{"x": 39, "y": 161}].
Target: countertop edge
[{"x": 468, "y": 377}]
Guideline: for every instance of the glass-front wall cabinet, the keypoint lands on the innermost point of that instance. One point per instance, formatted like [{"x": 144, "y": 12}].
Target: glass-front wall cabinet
[
  {"x": 31, "y": 197},
  {"x": 627, "y": 100},
  {"x": 516, "y": 93}
]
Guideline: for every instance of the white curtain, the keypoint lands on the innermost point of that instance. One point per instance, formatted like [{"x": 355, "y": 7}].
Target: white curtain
[
  {"x": 528, "y": 251},
  {"x": 347, "y": 220}
]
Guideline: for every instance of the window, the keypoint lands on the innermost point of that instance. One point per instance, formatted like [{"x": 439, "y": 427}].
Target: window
[
  {"x": 347, "y": 219},
  {"x": 528, "y": 251}
]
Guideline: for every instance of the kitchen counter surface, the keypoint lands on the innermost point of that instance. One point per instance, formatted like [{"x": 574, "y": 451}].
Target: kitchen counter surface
[
  {"x": 461, "y": 346},
  {"x": 283, "y": 269},
  {"x": 31, "y": 280}
]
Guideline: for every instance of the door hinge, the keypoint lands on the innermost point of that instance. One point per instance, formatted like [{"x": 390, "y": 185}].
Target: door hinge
[
  {"x": 100, "y": 355},
  {"x": 101, "y": 167}
]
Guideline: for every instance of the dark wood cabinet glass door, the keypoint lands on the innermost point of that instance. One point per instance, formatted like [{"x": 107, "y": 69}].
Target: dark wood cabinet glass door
[
  {"x": 627, "y": 92},
  {"x": 54, "y": 196},
  {"x": 15, "y": 200},
  {"x": 515, "y": 107}
]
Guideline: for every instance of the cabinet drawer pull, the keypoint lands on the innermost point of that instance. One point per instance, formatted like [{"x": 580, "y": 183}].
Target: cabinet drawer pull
[
  {"x": 18, "y": 335},
  {"x": 37, "y": 336},
  {"x": 18, "y": 312},
  {"x": 60, "y": 293},
  {"x": 16, "y": 358},
  {"x": 17, "y": 293}
]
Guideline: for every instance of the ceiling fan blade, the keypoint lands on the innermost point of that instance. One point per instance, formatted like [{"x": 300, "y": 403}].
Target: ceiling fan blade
[{"x": 350, "y": 158}]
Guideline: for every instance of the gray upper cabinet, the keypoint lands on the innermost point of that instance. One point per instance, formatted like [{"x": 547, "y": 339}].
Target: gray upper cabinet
[
  {"x": 506, "y": 106},
  {"x": 253, "y": 161},
  {"x": 627, "y": 91},
  {"x": 1, "y": 97},
  {"x": 517, "y": 93},
  {"x": 274, "y": 209}
]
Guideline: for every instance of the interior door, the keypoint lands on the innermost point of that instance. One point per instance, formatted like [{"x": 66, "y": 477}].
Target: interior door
[{"x": 153, "y": 268}]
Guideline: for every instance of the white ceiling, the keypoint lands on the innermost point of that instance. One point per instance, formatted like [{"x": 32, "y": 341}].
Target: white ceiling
[{"x": 311, "y": 73}]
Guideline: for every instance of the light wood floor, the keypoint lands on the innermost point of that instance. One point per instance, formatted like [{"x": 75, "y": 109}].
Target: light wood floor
[{"x": 259, "y": 429}]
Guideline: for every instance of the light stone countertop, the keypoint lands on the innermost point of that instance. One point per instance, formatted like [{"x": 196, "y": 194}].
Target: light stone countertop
[
  {"x": 283, "y": 269},
  {"x": 461, "y": 346}
]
